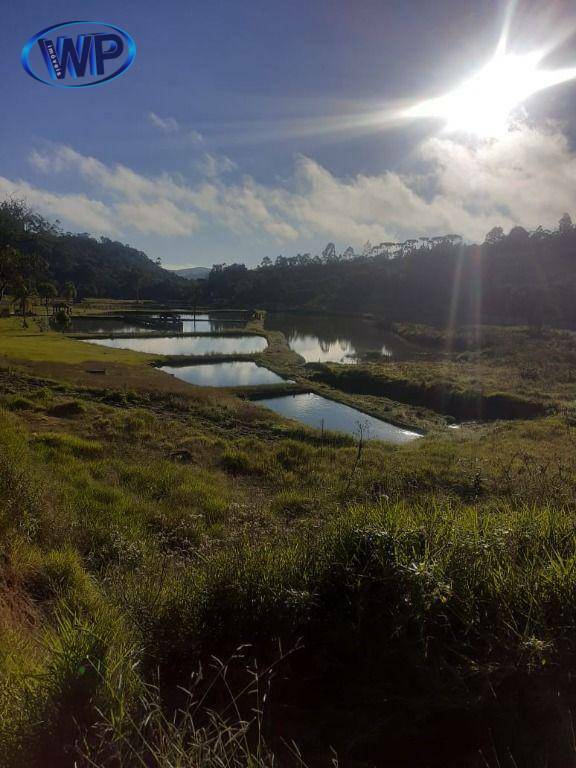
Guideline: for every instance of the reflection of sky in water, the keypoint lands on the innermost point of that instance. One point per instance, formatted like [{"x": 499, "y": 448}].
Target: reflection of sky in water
[
  {"x": 185, "y": 316},
  {"x": 312, "y": 410},
  {"x": 103, "y": 325},
  {"x": 315, "y": 351},
  {"x": 189, "y": 326},
  {"x": 184, "y": 323},
  {"x": 188, "y": 345},
  {"x": 234, "y": 374},
  {"x": 188, "y": 323},
  {"x": 324, "y": 339}
]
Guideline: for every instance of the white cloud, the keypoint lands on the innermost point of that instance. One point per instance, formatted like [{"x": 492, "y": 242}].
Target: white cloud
[
  {"x": 195, "y": 137},
  {"x": 215, "y": 165},
  {"x": 160, "y": 217},
  {"x": 169, "y": 125},
  {"x": 527, "y": 178},
  {"x": 83, "y": 212},
  {"x": 165, "y": 205},
  {"x": 164, "y": 124}
]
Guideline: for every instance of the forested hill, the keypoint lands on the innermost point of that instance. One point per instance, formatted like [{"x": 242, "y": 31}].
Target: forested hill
[
  {"x": 39, "y": 251},
  {"x": 523, "y": 277}
]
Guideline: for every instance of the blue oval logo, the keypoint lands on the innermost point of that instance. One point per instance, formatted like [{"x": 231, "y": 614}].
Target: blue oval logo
[{"x": 93, "y": 53}]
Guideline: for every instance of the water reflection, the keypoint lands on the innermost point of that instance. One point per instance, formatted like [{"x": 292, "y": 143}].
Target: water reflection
[
  {"x": 323, "y": 339},
  {"x": 186, "y": 322},
  {"x": 319, "y": 412},
  {"x": 233, "y": 374},
  {"x": 188, "y": 345},
  {"x": 183, "y": 322},
  {"x": 103, "y": 325}
]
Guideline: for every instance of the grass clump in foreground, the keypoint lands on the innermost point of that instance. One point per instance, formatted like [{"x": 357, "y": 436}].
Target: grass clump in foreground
[{"x": 421, "y": 587}]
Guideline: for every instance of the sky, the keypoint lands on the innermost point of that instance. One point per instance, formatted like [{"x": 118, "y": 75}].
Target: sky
[{"x": 257, "y": 128}]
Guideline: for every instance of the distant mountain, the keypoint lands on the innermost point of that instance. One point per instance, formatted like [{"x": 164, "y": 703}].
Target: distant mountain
[{"x": 193, "y": 273}]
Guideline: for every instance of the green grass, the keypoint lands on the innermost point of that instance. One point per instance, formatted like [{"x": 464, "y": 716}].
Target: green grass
[
  {"x": 35, "y": 345},
  {"x": 418, "y": 587}
]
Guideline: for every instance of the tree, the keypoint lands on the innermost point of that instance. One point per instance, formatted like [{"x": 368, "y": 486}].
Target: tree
[
  {"x": 48, "y": 292},
  {"x": 565, "y": 224},
  {"x": 495, "y": 236},
  {"x": 518, "y": 235},
  {"x": 367, "y": 249},
  {"x": 540, "y": 233},
  {"x": 69, "y": 291},
  {"x": 390, "y": 249},
  {"x": 329, "y": 253},
  {"x": 9, "y": 263},
  {"x": 410, "y": 245},
  {"x": 194, "y": 293},
  {"x": 22, "y": 297},
  {"x": 19, "y": 222}
]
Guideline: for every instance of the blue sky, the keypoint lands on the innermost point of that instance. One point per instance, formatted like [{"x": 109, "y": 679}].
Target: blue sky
[{"x": 239, "y": 131}]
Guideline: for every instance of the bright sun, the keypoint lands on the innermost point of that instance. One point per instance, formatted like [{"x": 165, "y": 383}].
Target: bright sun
[{"x": 484, "y": 104}]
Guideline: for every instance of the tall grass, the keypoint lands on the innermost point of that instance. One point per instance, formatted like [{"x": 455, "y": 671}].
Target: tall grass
[{"x": 413, "y": 584}]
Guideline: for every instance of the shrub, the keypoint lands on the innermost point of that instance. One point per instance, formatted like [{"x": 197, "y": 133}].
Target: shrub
[
  {"x": 56, "y": 574},
  {"x": 237, "y": 462},
  {"x": 60, "y": 320},
  {"x": 19, "y": 403},
  {"x": 294, "y": 455},
  {"x": 67, "y": 409}
]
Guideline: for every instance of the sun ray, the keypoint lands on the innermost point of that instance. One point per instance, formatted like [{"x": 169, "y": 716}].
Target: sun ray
[{"x": 485, "y": 104}]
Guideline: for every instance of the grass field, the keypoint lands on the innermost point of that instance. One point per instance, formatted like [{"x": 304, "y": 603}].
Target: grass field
[
  {"x": 404, "y": 606},
  {"x": 37, "y": 345}
]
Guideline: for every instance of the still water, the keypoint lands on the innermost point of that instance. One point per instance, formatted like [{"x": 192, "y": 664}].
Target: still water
[
  {"x": 316, "y": 411},
  {"x": 234, "y": 374},
  {"x": 189, "y": 345},
  {"x": 334, "y": 339},
  {"x": 180, "y": 323},
  {"x": 103, "y": 325},
  {"x": 207, "y": 323}
]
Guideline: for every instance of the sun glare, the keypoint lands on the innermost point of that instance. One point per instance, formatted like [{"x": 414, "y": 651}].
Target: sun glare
[{"x": 483, "y": 106}]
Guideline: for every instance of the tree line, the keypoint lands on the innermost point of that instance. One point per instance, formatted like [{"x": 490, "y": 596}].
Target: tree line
[{"x": 520, "y": 277}]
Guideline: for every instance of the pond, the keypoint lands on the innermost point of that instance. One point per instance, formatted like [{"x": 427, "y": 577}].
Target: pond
[
  {"x": 103, "y": 325},
  {"x": 233, "y": 374},
  {"x": 206, "y": 323},
  {"x": 319, "y": 412},
  {"x": 188, "y": 345},
  {"x": 141, "y": 323},
  {"x": 335, "y": 339}
]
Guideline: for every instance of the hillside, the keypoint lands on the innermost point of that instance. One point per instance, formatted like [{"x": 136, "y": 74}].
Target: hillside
[{"x": 97, "y": 267}]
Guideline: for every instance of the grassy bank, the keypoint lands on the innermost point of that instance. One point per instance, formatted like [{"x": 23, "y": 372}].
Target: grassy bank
[
  {"x": 472, "y": 373},
  {"x": 33, "y": 344},
  {"x": 443, "y": 394}
]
